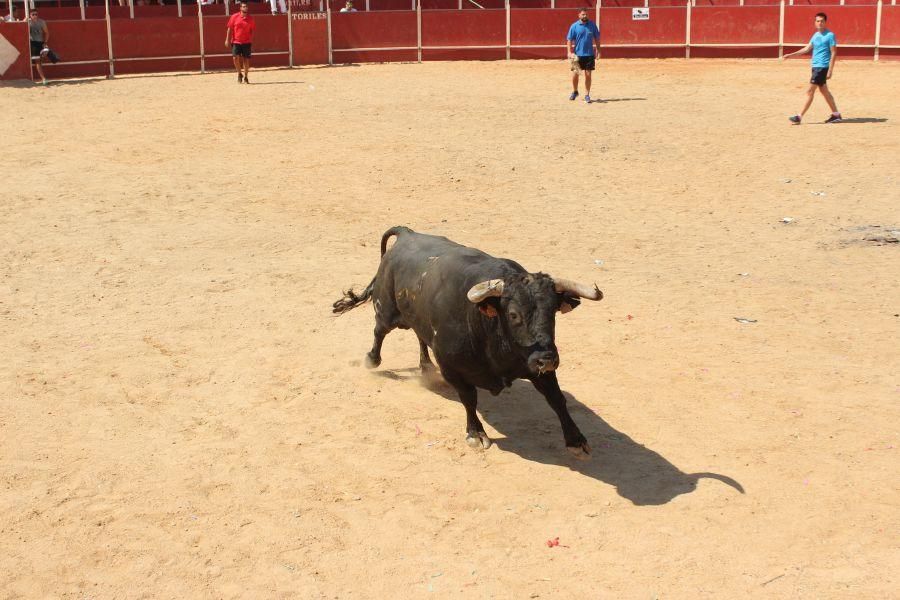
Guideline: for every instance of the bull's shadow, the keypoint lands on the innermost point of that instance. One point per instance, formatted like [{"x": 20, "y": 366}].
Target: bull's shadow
[{"x": 532, "y": 431}]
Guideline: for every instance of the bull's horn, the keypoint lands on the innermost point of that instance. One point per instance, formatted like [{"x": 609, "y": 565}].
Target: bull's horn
[
  {"x": 485, "y": 289},
  {"x": 579, "y": 290}
]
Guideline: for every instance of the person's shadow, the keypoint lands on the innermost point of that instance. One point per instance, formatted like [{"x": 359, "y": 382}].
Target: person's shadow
[{"x": 532, "y": 431}]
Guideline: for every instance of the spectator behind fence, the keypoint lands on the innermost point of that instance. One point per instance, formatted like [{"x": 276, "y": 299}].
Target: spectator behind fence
[
  {"x": 348, "y": 7},
  {"x": 39, "y": 35},
  {"x": 281, "y": 5},
  {"x": 239, "y": 36},
  {"x": 14, "y": 17}
]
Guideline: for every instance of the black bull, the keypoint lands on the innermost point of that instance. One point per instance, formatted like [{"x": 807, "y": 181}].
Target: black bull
[{"x": 487, "y": 320}]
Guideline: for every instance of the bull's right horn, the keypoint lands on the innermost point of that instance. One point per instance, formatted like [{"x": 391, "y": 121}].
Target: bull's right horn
[
  {"x": 579, "y": 290},
  {"x": 485, "y": 289}
]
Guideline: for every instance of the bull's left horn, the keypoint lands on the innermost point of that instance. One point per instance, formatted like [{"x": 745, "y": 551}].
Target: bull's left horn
[
  {"x": 579, "y": 290},
  {"x": 485, "y": 289}
]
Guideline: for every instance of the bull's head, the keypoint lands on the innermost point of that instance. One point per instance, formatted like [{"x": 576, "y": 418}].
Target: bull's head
[{"x": 526, "y": 305}]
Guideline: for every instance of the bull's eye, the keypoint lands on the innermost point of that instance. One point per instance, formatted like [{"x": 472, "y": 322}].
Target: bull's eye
[{"x": 514, "y": 317}]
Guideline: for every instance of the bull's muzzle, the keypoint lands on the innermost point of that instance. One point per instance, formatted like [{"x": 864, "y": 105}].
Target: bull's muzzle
[{"x": 543, "y": 361}]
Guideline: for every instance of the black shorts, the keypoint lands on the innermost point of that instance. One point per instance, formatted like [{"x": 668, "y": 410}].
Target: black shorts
[
  {"x": 819, "y": 75},
  {"x": 36, "y": 49},
  {"x": 240, "y": 50},
  {"x": 586, "y": 63}
]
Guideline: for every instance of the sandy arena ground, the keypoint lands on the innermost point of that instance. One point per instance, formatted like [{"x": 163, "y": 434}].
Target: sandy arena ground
[{"x": 182, "y": 417}]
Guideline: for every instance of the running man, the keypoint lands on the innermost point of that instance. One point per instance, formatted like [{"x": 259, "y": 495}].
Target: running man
[
  {"x": 583, "y": 33},
  {"x": 824, "y": 53},
  {"x": 239, "y": 37}
]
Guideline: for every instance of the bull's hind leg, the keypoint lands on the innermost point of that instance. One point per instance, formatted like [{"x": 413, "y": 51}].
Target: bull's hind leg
[
  {"x": 468, "y": 395},
  {"x": 387, "y": 319},
  {"x": 424, "y": 360},
  {"x": 373, "y": 357}
]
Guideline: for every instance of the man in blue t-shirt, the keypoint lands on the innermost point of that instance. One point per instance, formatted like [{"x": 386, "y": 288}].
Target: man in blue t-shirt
[
  {"x": 583, "y": 34},
  {"x": 824, "y": 52}
]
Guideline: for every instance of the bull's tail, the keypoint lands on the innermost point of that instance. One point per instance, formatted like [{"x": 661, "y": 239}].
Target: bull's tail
[
  {"x": 392, "y": 232},
  {"x": 351, "y": 299}
]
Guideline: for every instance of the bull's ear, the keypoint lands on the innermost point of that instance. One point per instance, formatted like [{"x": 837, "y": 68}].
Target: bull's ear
[
  {"x": 488, "y": 307},
  {"x": 567, "y": 303}
]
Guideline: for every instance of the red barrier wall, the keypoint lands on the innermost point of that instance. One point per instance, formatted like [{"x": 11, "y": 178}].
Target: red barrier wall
[
  {"x": 464, "y": 28},
  {"x": 850, "y": 24},
  {"x": 17, "y": 36},
  {"x": 78, "y": 41},
  {"x": 890, "y": 25},
  {"x": 741, "y": 25},
  {"x": 440, "y": 4},
  {"x": 152, "y": 37},
  {"x": 665, "y": 26},
  {"x": 310, "y": 41},
  {"x": 388, "y": 4},
  {"x": 270, "y": 36},
  {"x": 539, "y": 27},
  {"x": 384, "y": 29},
  {"x": 99, "y": 12},
  {"x": 735, "y": 25},
  {"x": 60, "y": 13},
  {"x": 890, "y": 32}
]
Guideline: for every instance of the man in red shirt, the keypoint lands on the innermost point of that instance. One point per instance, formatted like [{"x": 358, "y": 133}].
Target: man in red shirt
[{"x": 239, "y": 36}]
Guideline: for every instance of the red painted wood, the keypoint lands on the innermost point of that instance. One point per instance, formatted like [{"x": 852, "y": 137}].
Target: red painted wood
[
  {"x": 734, "y": 25},
  {"x": 382, "y": 29}
]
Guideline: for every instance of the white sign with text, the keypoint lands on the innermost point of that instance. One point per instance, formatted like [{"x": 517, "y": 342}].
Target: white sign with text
[{"x": 640, "y": 14}]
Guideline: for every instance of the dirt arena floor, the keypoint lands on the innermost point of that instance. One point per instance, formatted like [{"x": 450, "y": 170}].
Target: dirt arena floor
[{"x": 182, "y": 417}]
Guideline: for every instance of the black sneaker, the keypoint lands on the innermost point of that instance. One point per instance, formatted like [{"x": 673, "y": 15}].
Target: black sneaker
[
  {"x": 834, "y": 118},
  {"x": 795, "y": 119},
  {"x": 247, "y": 78},
  {"x": 240, "y": 78},
  {"x": 573, "y": 95}
]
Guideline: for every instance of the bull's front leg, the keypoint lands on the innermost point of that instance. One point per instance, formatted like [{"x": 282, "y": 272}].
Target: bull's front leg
[
  {"x": 468, "y": 395},
  {"x": 547, "y": 385}
]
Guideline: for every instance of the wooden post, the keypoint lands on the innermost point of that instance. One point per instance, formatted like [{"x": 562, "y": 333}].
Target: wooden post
[
  {"x": 781, "y": 30},
  {"x": 507, "y": 30},
  {"x": 202, "y": 48},
  {"x": 419, "y": 32},
  {"x": 328, "y": 19},
  {"x": 877, "y": 29},
  {"x": 291, "y": 32},
  {"x": 112, "y": 69},
  {"x": 687, "y": 32}
]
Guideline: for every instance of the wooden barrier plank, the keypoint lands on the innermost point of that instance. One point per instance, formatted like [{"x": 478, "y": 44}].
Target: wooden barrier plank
[
  {"x": 383, "y": 29},
  {"x": 850, "y": 24},
  {"x": 15, "y": 41},
  {"x": 665, "y": 26},
  {"x": 464, "y": 28},
  {"x": 735, "y": 25}
]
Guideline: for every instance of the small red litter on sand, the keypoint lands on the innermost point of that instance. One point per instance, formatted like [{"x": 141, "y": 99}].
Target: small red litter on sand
[
  {"x": 553, "y": 542},
  {"x": 629, "y": 317}
]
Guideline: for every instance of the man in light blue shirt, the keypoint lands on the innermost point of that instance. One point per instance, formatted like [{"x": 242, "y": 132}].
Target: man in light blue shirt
[
  {"x": 583, "y": 34},
  {"x": 824, "y": 53}
]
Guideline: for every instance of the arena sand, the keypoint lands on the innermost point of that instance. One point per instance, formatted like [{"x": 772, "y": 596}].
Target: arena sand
[{"x": 181, "y": 416}]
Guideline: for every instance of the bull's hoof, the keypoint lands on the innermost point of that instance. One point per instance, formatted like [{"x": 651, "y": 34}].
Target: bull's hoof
[
  {"x": 372, "y": 361},
  {"x": 582, "y": 452},
  {"x": 478, "y": 440}
]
